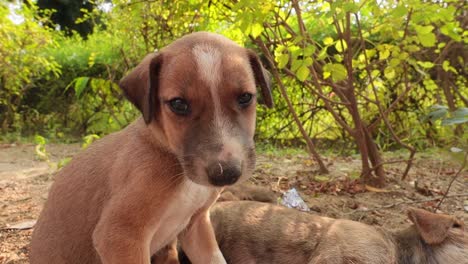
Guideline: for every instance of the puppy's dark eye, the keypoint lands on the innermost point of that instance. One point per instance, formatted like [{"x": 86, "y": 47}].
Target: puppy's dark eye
[
  {"x": 245, "y": 99},
  {"x": 179, "y": 106}
]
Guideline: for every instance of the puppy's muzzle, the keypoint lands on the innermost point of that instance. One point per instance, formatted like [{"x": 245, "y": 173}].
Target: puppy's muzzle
[{"x": 221, "y": 173}]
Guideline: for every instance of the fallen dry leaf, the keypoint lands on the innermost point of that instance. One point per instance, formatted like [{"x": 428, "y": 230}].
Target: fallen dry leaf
[
  {"x": 374, "y": 189},
  {"x": 22, "y": 225}
]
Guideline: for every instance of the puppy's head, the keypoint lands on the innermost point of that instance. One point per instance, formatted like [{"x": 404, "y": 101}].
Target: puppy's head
[
  {"x": 435, "y": 228},
  {"x": 445, "y": 237},
  {"x": 200, "y": 94}
]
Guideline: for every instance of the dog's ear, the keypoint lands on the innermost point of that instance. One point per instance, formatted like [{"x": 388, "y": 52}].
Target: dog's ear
[
  {"x": 262, "y": 79},
  {"x": 433, "y": 228},
  {"x": 140, "y": 86}
]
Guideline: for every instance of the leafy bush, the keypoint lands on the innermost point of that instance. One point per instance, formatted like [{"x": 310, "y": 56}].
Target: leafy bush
[
  {"x": 22, "y": 64},
  {"x": 409, "y": 51}
]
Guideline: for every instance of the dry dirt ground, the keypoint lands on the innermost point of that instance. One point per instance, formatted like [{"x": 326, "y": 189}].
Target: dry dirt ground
[{"x": 25, "y": 180}]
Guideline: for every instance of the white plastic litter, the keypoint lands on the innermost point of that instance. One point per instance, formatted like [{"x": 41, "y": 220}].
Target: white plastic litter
[{"x": 292, "y": 199}]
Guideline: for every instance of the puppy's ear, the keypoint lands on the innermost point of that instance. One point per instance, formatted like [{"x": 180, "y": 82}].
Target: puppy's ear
[
  {"x": 140, "y": 86},
  {"x": 262, "y": 78},
  {"x": 433, "y": 228}
]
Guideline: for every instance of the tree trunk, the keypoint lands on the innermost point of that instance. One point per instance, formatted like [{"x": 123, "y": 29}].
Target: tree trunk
[
  {"x": 367, "y": 148},
  {"x": 376, "y": 160}
]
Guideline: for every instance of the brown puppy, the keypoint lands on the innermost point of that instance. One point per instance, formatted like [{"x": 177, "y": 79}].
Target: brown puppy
[
  {"x": 134, "y": 191},
  {"x": 254, "y": 233}
]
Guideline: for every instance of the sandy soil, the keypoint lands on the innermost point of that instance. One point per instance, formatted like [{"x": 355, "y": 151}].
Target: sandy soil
[{"x": 25, "y": 180}]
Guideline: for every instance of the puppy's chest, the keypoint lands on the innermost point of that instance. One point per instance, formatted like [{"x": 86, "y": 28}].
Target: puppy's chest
[{"x": 185, "y": 203}]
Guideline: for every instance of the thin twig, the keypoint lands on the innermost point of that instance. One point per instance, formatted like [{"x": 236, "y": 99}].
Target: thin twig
[
  {"x": 452, "y": 181},
  {"x": 388, "y": 206},
  {"x": 389, "y": 162}
]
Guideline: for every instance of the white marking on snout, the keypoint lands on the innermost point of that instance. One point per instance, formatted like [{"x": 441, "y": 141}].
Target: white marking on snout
[
  {"x": 232, "y": 150},
  {"x": 209, "y": 62}
]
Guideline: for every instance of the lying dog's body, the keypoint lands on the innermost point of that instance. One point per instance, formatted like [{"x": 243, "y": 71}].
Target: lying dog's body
[
  {"x": 134, "y": 191},
  {"x": 254, "y": 233}
]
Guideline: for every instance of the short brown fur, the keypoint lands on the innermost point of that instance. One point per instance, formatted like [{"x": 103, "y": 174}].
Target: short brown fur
[
  {"x": 133, "y": 192},
  {"x": 256, "y": 233}
]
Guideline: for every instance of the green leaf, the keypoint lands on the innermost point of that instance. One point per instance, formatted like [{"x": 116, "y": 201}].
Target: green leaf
[
  {"x": 460, "y": 112},
  {"x": 328, "y": 41},
  {"x": 454, "y": 121},
  {"x": 309, "y": 50},
  {"x": 302, "y": 73},
  {"x": 323, "y": 54},
  {"x": 370, "y": 53},
  {"x": 295, "y": 51},
  {"x": 341, "y": 46},
  {"x": 282, "y": 60},
  {"x": 437, "y": 107},
  {"x": 447, "y": 67},
  {"x": 39, "y": 140},
  {"x": 338, "y": 71},
  {"x": 400, "y": 11},
  {"x": 256, "y": 30},
  {"x": 307, "y": 62},
  {"x": 298, "y": 40},
  {"x": 413, "y": 48},
  {"x": 389, "y": 73},
  {"x": 91, "y": 59},
  {"x": 426, "y": 64},
  {"x": 351, "y": 7},
  {"x": 403, "y": 55},
  {"x": 451, "y": 30},
  {"x": 63, "y": 162},
  {"x": 88, "y": 139},
  {"x": 296, "y": 64},
  {"x": 427, "y": 40},
  {"x": 422, "y": 30},
  {"x": 80, "y": 85},
  {"x": 384, "y": 54},
  {"x": 338, "y": 57},
  {"x": 439, "y": 111},
  {"x": 280, "y": 49},
  {"x": 394, "y": 62}
]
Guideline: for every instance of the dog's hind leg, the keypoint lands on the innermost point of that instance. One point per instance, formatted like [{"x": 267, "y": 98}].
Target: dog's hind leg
[{"x": 167, "y": 255}]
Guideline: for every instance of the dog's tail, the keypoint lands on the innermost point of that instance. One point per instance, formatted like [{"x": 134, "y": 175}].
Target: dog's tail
[{"x": 248, "y": 192}]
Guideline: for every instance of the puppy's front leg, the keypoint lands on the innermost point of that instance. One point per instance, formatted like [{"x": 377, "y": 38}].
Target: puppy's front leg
[
  {"x": 199, "y": 242},
  {"x": 119, "y": 246},
  {"x": 120, "y": 236}
]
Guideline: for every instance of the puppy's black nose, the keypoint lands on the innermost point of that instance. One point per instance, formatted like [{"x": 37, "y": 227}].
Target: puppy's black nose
[{"x": 221, "y": 173}]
